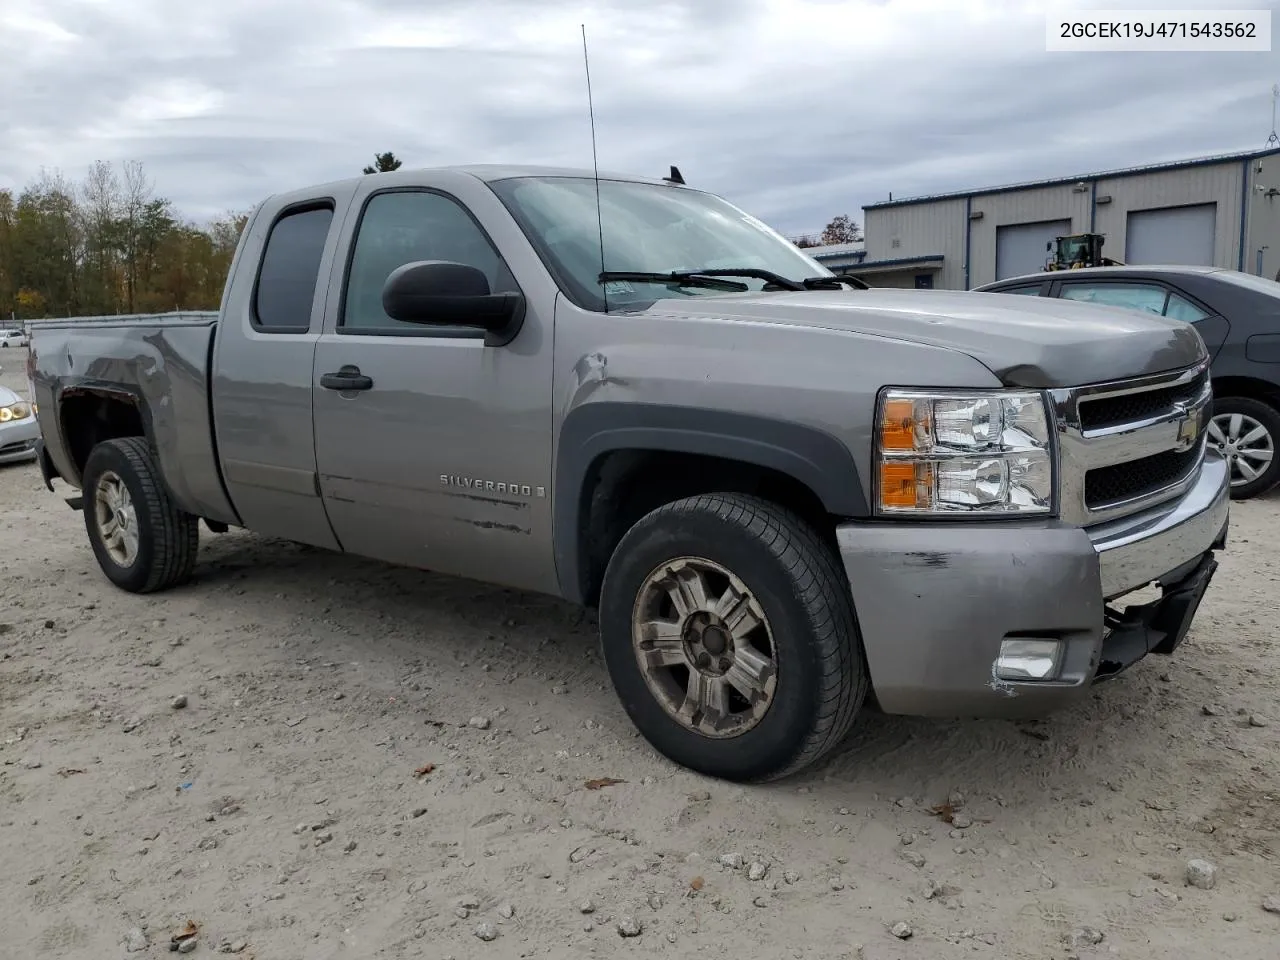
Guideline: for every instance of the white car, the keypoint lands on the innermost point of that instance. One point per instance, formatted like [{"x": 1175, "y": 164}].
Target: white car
[
  {"x": 12, "y": 338},
  {"x": 19, "y": 429}
]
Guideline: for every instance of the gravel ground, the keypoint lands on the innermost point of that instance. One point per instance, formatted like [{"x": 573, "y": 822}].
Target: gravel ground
[{"x": 312, "y": 756}]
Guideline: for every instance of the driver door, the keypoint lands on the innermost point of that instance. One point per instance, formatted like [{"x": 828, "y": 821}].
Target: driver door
[{"x": 439, "y": 456}]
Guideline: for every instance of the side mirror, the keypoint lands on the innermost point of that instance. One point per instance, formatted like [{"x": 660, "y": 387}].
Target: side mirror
[{"x": 448, "y": 294}]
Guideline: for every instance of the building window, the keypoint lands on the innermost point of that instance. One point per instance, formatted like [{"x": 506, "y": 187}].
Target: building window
[{"x": 924, "y": 281}]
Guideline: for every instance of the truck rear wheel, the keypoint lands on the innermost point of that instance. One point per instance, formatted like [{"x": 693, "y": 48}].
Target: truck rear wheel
[
  {"x": 730, "y": 637},
  {"x": 143, "y": 542}
]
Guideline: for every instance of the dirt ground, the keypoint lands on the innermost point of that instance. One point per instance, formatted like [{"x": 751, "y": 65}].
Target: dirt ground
[{"x": 286, "y": 809}]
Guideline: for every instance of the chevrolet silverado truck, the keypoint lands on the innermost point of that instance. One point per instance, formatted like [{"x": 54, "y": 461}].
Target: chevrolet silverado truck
[{"x": 786, "y": 495}]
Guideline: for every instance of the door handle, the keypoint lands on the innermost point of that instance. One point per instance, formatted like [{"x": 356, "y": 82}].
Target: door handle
[{"x": 348, "y": 377}]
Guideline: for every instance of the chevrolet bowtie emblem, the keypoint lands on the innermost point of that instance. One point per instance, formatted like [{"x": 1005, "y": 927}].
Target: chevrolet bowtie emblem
[{"x": 1188, "y": 428}]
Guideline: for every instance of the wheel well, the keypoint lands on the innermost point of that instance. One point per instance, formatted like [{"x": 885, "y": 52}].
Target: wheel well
[
  {"x": 623, "y": 485},
  {"x": 1260, "y": 390},
  {"x": 90, "y": 418}
]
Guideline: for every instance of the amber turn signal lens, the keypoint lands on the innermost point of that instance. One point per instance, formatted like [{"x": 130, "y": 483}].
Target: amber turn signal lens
[
  {"x": 901, "y": 483},
  {"x": 898, "y": 425}
]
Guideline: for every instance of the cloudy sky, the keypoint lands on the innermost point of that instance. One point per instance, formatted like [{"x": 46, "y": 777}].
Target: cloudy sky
[{"x": 795, "y": 109}]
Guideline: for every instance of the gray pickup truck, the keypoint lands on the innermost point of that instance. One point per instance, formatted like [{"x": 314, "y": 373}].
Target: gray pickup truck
[{"x": 785, "y": 494}]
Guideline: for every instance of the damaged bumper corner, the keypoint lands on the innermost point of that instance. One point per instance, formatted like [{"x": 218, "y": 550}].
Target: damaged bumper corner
[{"x": 936, "y": 601}]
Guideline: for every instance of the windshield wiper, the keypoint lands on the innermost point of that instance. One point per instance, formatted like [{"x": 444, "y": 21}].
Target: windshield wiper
[
  {"x": 711, "y": 277},
  {"x": 755, "y": 273},
  {"x": 786, "y": 283},
  {"x": 833, "y": 283},
  {"x": 684, "y": 278}
]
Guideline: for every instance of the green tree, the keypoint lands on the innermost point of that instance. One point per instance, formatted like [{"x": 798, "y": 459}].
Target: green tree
[{"x": 384, "y": 163}]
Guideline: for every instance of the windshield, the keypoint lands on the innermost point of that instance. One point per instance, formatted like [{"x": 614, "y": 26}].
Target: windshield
[{"x": 648, "y": 228}]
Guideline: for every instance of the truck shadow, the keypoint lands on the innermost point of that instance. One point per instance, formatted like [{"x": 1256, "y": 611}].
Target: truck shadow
[{"x": 370, "y": 609}]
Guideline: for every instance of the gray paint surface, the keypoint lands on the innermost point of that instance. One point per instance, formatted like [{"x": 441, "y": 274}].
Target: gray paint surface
[
  {"x": 160, "y": 366},
  {"x": 467, "y": 459}
]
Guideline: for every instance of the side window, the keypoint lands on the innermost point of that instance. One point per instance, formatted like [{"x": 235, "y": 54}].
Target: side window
[
  {"x": 290, "y": 270},
  {"x": 1180, "y": 308},
  {"x": 1026, "y": 291},
  {"x": 1135, "y": 296},
  {"x": 399, "y": 228}
]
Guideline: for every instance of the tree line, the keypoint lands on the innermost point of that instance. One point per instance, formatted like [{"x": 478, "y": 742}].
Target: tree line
[{"x": 107, "y": 244}]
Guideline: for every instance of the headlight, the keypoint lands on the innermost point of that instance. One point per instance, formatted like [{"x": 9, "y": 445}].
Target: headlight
[
  {"x": 16, "y": 411},
  {"x": 979, "y": 452}
]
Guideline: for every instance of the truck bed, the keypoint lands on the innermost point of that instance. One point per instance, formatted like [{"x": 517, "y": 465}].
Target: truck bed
[{"x": 152, "y": 367}]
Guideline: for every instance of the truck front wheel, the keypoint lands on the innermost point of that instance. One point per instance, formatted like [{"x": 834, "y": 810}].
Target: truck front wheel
[
  {"x": 730, "y": 637},
  {"x": 143, "y": 542}
]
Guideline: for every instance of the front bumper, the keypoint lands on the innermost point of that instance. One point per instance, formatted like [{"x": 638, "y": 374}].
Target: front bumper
[
  {"x": 18, "y": 440},
  {"x": 934, "y": 601}
]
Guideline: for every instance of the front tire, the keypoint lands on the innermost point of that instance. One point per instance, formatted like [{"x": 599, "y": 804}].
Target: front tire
[
  {"x": 142, "y": 541},
  {"x": 1247, "y": 433},
  {"x": 730, "y": 637}
]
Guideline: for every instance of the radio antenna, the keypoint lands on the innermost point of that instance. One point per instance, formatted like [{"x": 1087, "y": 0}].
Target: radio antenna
[{"x": 595, "y": 168}]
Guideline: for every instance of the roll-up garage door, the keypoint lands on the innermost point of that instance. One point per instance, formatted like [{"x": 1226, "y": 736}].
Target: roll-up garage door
[
  {"x": 1020, "y": 247},
  {"x": 1181, "y": 235}
]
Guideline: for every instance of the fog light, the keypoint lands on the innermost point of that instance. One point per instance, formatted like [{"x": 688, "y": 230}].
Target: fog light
[{"x": 1028, "y": 659}]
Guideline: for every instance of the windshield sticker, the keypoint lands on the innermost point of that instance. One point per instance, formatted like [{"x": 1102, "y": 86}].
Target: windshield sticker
[{"x": 618, "y": 288}]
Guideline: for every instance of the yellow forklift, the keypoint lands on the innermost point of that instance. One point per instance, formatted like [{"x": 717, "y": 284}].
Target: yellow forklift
[{"x": 1077, "y": 251}]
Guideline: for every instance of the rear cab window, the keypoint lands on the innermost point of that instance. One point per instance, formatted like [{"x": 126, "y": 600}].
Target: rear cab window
[{"x": 290, "y": 269}]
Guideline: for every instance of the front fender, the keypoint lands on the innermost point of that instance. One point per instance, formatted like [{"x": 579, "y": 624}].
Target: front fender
[{"x": 806, "y": 454}]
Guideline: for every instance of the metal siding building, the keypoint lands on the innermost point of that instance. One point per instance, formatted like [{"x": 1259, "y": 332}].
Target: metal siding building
[
  {"x": 929, "y": 232},
  {"x": 1218, "y": 211}
]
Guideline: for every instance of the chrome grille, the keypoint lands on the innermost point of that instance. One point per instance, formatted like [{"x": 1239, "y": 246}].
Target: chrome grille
[
  {"x": 1124, "y": 481},
  {"x": 1097, "y": 413},
  {"x": 1128, "y": 445}
]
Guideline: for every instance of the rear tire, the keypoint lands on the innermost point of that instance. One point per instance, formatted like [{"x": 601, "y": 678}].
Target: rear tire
[
  {"x": 730, "y": 637},
  {"x": 1234, "y": 430},
  {"x": 142, "y": 541}
]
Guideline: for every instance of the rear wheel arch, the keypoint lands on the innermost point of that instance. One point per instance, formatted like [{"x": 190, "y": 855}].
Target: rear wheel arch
[
  {"x": 617, "y": 461},
  {"x": 89, "y": 415}
]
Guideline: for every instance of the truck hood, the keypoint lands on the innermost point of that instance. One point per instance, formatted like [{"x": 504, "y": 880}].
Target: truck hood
[{"x": 1034, "y": 342}]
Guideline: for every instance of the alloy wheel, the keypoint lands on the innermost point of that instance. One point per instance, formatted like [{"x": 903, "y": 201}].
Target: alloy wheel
[{"x": 705, "y": 647}]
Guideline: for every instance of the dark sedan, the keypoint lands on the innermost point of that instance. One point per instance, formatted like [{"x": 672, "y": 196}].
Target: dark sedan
[{"x": 1238, "y": 316}]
